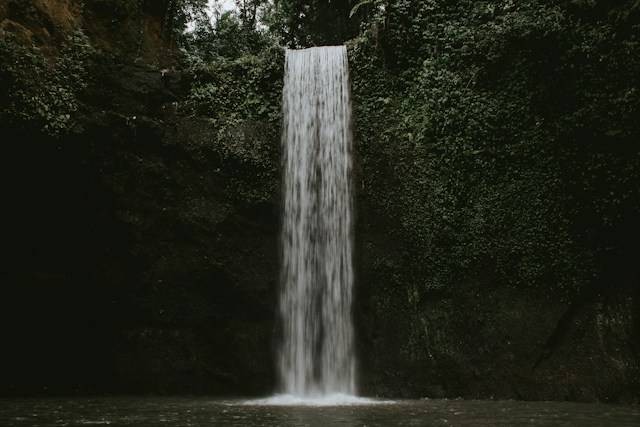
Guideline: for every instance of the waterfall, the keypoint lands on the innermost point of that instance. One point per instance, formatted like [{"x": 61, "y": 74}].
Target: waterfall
[{"x": 317, "y": 351}]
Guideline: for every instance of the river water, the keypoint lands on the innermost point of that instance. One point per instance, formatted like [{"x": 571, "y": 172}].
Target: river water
[{"x": 201, "y": 412}]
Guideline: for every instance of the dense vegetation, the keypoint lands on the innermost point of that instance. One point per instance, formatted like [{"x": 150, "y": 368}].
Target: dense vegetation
[
  {"x": 500, "y": 141},
  {"x": 510, "y": 133},
  {"x": 498, "y": 172}
]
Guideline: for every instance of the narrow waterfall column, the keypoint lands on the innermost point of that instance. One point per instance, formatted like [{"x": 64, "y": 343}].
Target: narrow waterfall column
[{"x": 317, "y": 352}]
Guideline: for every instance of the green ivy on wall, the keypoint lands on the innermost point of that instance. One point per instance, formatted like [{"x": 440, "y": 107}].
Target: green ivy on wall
[{"x": 43, "y": 91}]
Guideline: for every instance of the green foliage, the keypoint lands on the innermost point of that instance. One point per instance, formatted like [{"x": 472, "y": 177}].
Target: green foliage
[
  {"x": 493, "y": 134},
  {"x": 228, "y": 38},
  {"x": 249, "y": 11},
  {"x": 43, "y": 92},
  {"x": 180, "y": 12},
  {"x": 236, "y": 71},
  {"x": 311, "y": 22},
  {"x": 241, "y": 99}
]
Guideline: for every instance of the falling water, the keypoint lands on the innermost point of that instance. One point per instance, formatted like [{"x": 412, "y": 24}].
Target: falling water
[{"x": 317, "y": 356}]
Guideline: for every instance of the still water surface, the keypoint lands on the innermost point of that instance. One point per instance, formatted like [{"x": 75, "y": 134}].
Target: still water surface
[{"x": 200, "y": 412}]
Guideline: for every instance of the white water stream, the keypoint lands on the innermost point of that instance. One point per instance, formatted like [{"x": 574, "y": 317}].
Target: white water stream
[{"x": 316, "y": 357}]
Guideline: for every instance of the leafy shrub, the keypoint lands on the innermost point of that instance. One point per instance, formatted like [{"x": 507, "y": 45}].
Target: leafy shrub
[
  {"x": 40, "y": 91},
  {"x": 241, "y": 99}
]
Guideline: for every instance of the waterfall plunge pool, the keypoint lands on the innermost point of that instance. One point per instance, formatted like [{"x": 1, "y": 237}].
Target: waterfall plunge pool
[
  {"x": 204, "y": 412},
  {"x": 336, "y": 399}
]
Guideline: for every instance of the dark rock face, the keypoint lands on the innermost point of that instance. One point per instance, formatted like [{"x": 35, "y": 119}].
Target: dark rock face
[
  {"x": 131, "y": 264},
  {"x": 481, "y": 339},
  {"x": 493, "y": 342}
]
